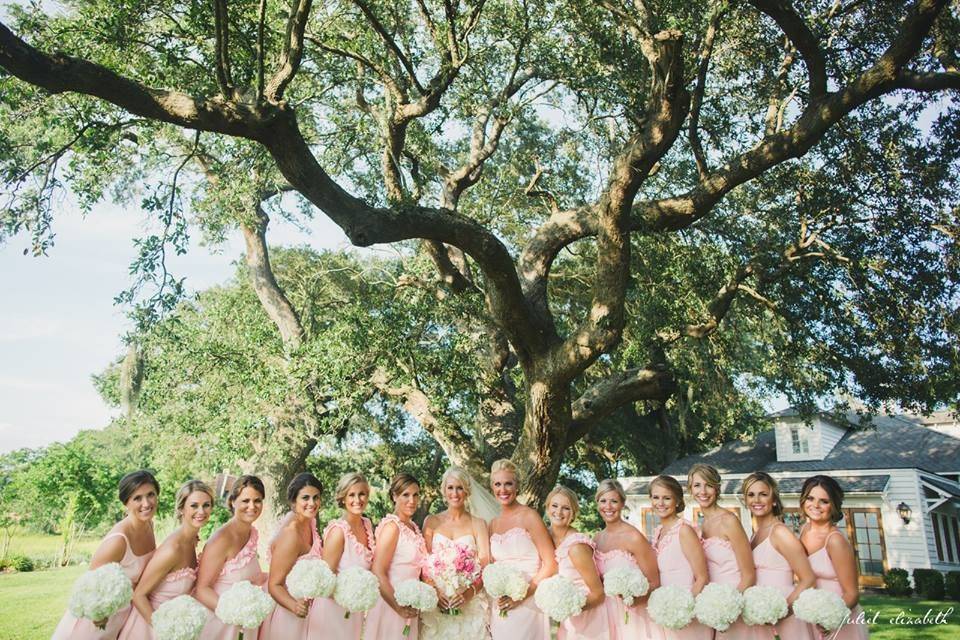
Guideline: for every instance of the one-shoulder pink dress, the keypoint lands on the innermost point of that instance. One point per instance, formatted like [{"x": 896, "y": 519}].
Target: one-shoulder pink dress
[
  {"x": 827, "y": 580},
  {"x": 176, "y": 583},
  {"x": 773, "y": 570},
  {"x": 675, "y": 570},
  {"x": 283, "y": 623},
  {"x": 326, "y": 619},
  {"x": 243, "y": 566},
  {"x": 408, "y": 558},
  {"x": 71, "y": 628},
  {"x": 629, "y": 622},
  {"x": 516, "y": 548},
  {"x": 592, "y": 624},
  {"x": 723, "y": 569}
]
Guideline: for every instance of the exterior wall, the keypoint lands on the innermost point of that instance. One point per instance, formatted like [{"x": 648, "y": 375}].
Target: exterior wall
[
  {"x": 785, "y": 444},
  {"x": 830, "y": 435}
]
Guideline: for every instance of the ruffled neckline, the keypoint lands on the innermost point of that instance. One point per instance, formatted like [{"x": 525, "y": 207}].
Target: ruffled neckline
[
  {"x": 661, "y": 537},
  {"x": 510, "y": 533},
  {"x": 563, "y": 549},
  {"x": 410, "y": 533},
  {"x": 180, "y": 574},
  {"x": 247, "y": 553},
  {"x": 360, "y": 549}
]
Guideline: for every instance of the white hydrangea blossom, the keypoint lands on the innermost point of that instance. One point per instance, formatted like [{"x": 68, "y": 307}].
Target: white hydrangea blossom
[
  {"x": 671, "y": 606},
  {"x": 100, "y": 593},
  {"x": 181, "y": 618},
  {"x": 416, "y": 594},
  {"x": 311, "y": 578},
  {"x": 763, "y": 605},
  {"x": 500, "y": 579},
  {"x": 625, "y": 582},
  {"x": 821, "y": 607},
  {"x": 559, "y": 598},
  {"x": 718, "y": 606},
  {"x": 357, "y": 590},
  {"x": 244, "y": 605}
]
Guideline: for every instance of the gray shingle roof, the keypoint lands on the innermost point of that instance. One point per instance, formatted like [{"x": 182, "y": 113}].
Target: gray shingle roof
[
  {"x": 950, "y": 487},
  {"x": 791, "y": 486},
  {"x": 891, "y": 443}
]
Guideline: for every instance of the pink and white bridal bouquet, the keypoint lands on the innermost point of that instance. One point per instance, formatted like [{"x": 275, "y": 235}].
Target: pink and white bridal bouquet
[{"x": 452, "y": 568}]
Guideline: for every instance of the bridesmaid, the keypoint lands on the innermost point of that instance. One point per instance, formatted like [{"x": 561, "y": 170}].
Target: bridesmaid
[
  {"x": 622, "y": 544},
  {"x": 347, "y": 542},
  {"x": 172, "y": 571},
  {"x": 518, "y": 538},
  {"x": 576, "y": 561},
  {"x": 296, "y": 538},
  {"x": 130, "y": 543},
  {"x": 680, "y": 556},
  {"x": 832, "y": 559},
  {"x": 725, "y": 544},
  {"x": 230, "y": 556},
  {"x": 777, "y": 553},
  {"x": 399, "y": 554}
]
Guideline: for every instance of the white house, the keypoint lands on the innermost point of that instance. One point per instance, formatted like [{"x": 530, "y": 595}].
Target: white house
[{"x": 901, "y": 479}]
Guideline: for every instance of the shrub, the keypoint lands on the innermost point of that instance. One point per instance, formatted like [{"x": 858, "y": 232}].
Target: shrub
[
  {"x": 897, "y": 582},
  {"x": 929, "y": 583},
  {"x": 952, "y": 584},
  {"x": 17, "y": 562}
]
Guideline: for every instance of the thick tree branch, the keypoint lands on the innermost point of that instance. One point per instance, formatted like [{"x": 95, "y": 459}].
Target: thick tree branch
[
  {"x": 706, "y": 51},
  {"x": 796, "y": 29},
  {"x": 221, "y": 25},
  {"x": 606, "y": 396},
  {"x": 928, "y": 81},
  {"x": 390, "y": 42},
  {"x": 292, "y": 50}
]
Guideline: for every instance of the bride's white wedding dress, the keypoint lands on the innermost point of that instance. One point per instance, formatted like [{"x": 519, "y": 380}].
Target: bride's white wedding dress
[{"x": 472, "y": 622}]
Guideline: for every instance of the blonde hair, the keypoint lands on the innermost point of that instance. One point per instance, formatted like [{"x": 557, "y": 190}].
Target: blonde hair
[
  {"x": 569, "y": 495},
  {"x": 670, "y": 484},
  {"x": 608, "y": 485},
  {"x": 767, "y": 479},
  {"x": 188, "y": 487},
  {"x": 346, "y": 481},
  {"x": 457, "y": 474},
  {"x": 505, "y": 465},
  {"x": 709, "y": 474}
]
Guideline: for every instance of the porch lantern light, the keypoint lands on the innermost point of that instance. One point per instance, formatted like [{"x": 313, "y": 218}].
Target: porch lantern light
[{"x": 904, "y": 511}]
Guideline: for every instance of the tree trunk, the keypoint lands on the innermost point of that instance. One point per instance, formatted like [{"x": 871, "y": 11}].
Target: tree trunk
[{"x": 547, "y": 418}]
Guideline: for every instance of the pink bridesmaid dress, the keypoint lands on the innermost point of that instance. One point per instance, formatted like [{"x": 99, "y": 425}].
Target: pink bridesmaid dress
[
  {"x": 283, "y": 623},
  {"x": 592, "y": 624},
  {"x": 176, "y": 583},
  {"x": 71, "y": 628},
  {"x": 383, "y": 623},
  {"x": 773, "y": 570},
  {"x": 676, "y": 571},
  {"x": 243, "y": 566},
  {"x": 827, "y": 580},
  {"x": 723, "y": 569},
  {"x": 516, "y": 548},
  {"x": 326, "y": 619},
  {"x": 629, "y": 622}
]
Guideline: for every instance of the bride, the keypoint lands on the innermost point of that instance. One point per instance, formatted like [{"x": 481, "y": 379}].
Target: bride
[{"x": 455, "y": 526}]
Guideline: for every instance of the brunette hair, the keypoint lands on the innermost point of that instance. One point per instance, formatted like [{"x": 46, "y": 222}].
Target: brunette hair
[
  {"x": 670, "y": 484},
  {"x": 569, "y": 495},
  {"x": 301, "y": 480},
  {"x": 242, "y": 483},
  {"x": 133, "y": 481},
  {"x": 767, "y": 479},
  {"x": 609, "y": 485},
  {"x": 834, "y": 492},
  {"x": 346, "y": 481},
  {"x": 186, "y": 489},
  {"x": 400, "y": 482}
]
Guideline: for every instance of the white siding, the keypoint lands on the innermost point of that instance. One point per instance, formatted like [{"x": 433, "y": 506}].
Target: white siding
[
  {"x": 785, "y": 443},
  {"x": 830, "y": 435}
]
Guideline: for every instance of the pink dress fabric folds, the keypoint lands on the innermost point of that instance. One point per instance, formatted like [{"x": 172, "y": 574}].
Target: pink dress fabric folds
[
  {"x": 283, "y": 623},
  {"x": 773, "y": 570},
  {"x": 723, "y": 569},
  {"x": 628, "y": 622},
  {"x": 176, "y": 583},
  {"x": 326, "y": 619},
  {"x": 243, "y": 566},
  {"x": 515, "y": 548},
  {"x": 592, "y": 624},
  {"x": 71, "y": 628},
  {"x": 676, "y": 571},
  {"x": 408, "y": 558},
  {"x": 827, "y": 580}
]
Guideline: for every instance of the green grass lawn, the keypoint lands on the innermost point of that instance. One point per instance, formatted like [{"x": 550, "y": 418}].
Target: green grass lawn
[
  {"x": 31, "y": 605},
  {"x": 36, "y": 545}
]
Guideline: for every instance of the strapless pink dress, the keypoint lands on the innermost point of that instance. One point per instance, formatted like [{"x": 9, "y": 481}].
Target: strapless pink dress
[
  {"x": 326, "y": 619},
  {"x": 592, "y": 624},
  {"x": 676, "y": 571},
  {"x": 71, "y": 628},
  {"x": 827, "y": 580},
  {"x": 382, "y": 621},
  {"x": 285, "y": 624},
  {"x": 243, "y": 566},
  {"x": 723, "y": 569},
  {"x": 515, "y": 548},
  {"x": 773, "y": 570},
  {"x": 629, "y": 623},
  {"x": 176, "y": 583}
]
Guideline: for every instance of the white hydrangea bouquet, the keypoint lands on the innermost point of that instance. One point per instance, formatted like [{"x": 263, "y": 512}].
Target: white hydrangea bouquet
[
  {"x": 500, "y": 579},
  {"x": 357, "y": 590},
  {"x": 671, "y": 606},
  {"x": 311, "y": 578},
  {"x": 626, "y": 583},
  {"x": 100, "y": 593},
  {"x": 415, "y": 594},
  {"x": 821, "y": 607},
  {"x": 181, "y": 618},
  {"x": 559, "y": 598},
  {"x": 244, "y": 606},
  {"x": 763, "y": 605},
  {"x": 718, "y": 606}
]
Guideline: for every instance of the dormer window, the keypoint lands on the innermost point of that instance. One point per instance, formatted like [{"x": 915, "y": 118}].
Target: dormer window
[{"x": 799, "y": 440}]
